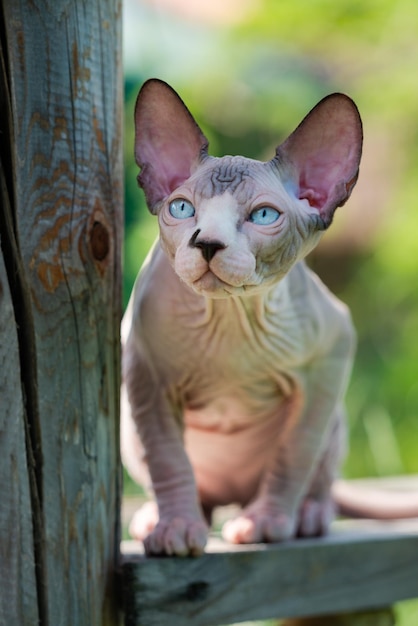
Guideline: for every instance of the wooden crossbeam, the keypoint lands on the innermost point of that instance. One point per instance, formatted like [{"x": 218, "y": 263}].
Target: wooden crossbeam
[{"x": 360, "y": 565}]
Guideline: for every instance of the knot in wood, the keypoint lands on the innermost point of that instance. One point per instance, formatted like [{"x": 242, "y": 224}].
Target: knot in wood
[
  {"x": 100, "y": 241},
  {"x": 197, "y": 591}
]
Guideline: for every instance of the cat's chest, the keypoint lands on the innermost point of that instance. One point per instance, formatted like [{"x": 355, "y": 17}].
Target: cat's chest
[
  {"x": 231, "y": 365},
  {"x": 222, "y": 338},
  {"x": 246, "y": 336}
]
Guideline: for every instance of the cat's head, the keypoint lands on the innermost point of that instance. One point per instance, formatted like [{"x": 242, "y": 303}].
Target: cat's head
[{"x": 233, "y": 225}]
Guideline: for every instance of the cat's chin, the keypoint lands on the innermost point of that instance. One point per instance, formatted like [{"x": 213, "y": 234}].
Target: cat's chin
[{"x": 212, "y": 286}]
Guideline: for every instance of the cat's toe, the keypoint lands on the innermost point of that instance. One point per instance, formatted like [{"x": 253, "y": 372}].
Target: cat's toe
[
  {"x": 240, "y": 530},
  {"x": 177, "y": 537},
  {"x": 256, "y": 528},
  {"x": 315, "y": 517}
]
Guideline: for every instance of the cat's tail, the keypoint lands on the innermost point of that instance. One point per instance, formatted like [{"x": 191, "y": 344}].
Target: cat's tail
[{"x": 396, "y": 499}]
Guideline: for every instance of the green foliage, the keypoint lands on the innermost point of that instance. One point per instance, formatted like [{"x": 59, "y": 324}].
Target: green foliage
[
  {"x": 275, "y": 65},
  {"x": 248, "y": 85}
]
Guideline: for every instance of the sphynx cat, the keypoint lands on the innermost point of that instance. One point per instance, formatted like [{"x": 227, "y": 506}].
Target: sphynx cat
[{"x": 236, "y": 357}]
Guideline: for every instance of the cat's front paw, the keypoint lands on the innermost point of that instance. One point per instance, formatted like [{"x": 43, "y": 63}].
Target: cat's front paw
[
  {"x": 256, "y": 525},
  {"x": 177, "y": 536}
]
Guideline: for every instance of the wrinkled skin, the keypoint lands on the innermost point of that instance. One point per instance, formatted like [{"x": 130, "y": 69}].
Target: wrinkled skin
[{"x": 235, "y": 356}]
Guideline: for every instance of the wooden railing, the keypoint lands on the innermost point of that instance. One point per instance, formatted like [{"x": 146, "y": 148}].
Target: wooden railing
[{"x": 350, "y": 578}]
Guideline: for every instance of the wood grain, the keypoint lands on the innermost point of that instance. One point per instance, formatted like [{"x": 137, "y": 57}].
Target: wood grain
[
  {"x": 361, "y": 565},
  {"x": 18, "y": 590},
  {"x": 64, "y": 76},
  {"x": 378, "y": 617}
]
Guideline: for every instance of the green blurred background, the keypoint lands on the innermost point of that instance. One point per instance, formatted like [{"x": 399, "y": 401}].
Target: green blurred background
[{"x": 249, "y": 70}]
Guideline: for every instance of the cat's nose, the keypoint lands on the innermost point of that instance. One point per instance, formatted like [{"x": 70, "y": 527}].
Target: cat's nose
[{"x": 208, "y": 247}]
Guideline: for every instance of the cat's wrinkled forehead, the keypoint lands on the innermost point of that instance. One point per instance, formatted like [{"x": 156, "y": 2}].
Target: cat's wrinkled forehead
[{"x": 230, "y": 173}]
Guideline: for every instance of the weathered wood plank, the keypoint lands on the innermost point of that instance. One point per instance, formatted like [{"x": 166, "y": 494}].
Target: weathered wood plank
[
  {"x": 18, "y": 593},
  {"x": 64, "y": 71},
  {"x": 361, "y": 565},
  {"x": 18, "y": 579},
  {"x": 377, "y": 617}
]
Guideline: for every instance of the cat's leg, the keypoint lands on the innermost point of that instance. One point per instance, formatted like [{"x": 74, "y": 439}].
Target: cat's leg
[
  {"x": 133, "y": 458},
  {"x": 318, "y": 508},
  {"x": 274, "y": 513},
  {"x": 154, "y": 435}
]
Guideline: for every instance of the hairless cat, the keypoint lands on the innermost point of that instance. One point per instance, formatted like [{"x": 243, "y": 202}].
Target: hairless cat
[{"x": 236, "y": 357}]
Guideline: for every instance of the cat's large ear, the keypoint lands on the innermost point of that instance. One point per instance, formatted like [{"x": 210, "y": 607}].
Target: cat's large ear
[
  {"x": 168, "y": 142},
  {"x": 323, "y": 154}
]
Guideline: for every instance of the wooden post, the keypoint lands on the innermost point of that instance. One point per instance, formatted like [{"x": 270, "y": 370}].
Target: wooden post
[{"x": 60, "y": 237}]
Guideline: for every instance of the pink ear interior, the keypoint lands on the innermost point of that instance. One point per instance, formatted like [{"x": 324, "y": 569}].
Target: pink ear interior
[
  {"x": 324, "y": 153},
  {"x": 168, "y": 142}
]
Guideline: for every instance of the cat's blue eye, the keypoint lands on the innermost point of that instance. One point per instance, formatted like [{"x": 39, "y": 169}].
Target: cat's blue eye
[
  {"x": 181, "y": 209},
  {"x": 264, "y": 216}
]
